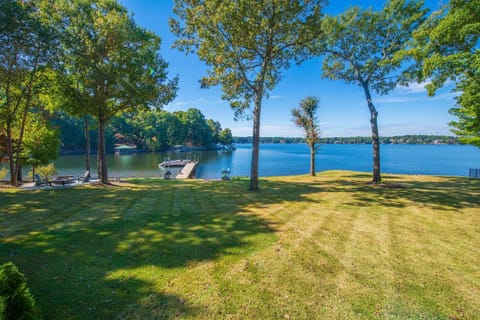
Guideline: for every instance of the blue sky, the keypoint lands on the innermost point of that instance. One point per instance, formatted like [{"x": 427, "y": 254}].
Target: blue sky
[{"x": 343, "y": 111}]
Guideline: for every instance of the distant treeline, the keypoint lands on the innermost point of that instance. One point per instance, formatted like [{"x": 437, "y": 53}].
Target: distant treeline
[
  {"x": 406, "y": 139},
  {"x": 153, "y": 130}
]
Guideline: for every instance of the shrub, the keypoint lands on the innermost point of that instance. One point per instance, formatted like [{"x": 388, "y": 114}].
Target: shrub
[
  {"x": 3, "y": 173},
  {"x": 46, "y": 171},
  {"x": 16, "y": 301}
]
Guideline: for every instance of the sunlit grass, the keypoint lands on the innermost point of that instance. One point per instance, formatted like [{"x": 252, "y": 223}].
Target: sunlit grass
[{"x": 328, "y": 247}]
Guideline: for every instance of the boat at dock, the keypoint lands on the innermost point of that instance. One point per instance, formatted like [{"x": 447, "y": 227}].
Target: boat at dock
[
  {"x": 174, "y": 163},
  {"x": 124, "y": 149}
]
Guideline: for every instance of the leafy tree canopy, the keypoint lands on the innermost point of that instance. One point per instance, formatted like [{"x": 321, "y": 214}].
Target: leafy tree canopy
[
  {"x": 305, "y": 117},
  {"x": 367, "y": 48},
  {"x": 448, "y": 45},
  {"x": 247, "y": 44},
  {"x": 115, "y": 63},
  {"x": 28, "y": 47}
]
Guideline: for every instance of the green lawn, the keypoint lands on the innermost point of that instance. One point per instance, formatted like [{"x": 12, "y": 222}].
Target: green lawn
[{"x": 329, "y": 247}]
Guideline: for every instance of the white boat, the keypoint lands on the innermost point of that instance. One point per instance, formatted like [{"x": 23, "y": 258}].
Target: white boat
[{"x": 174, "y": 163}]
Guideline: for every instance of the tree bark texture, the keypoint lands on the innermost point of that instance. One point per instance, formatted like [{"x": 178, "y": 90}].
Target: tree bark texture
[
  {"x": 255, "y": 144},
  {"x": 376, "y": 178},
  {"x": 10, "y": 151},
  {"x": 312, "y": 160},
  {"x": 87, "y": 143},
  {"x": 101, "y": 155},
  {"x": 376, "y": 147}
]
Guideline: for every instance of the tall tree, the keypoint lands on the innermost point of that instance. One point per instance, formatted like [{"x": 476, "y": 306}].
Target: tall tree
[
  {"x": 305, "y": 117},
  {"x": 448, "y": 44},
  {"x": 71, "y": 98},
  {"x": 41, "y": 142},
  {"x": 27, "y": 43},
  {"x": 117, "y": 65},
  {"x": 247, "y": 44},
  {"x": 364, "y": 47}
]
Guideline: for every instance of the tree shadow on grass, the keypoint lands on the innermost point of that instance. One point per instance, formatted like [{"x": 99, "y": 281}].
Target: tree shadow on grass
[
  {"x": 443, "y": 193},
  {"x": 111, "y": 252}
]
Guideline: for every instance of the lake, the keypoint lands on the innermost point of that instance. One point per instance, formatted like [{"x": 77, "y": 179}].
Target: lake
[{"x": 293, "y": 159}]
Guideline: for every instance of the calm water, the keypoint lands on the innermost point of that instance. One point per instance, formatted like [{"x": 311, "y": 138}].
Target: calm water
[{"x": 294, "y": 159}]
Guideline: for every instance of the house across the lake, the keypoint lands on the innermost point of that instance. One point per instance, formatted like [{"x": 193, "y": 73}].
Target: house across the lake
[{"x": 124, "y": 149}]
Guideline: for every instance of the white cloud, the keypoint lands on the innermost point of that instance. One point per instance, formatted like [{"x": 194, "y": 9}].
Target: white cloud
[
  {"x": 413, "y": 88},
  {"x": 276, "y": 97},
  {"x": 176, "y": 104},
  {"x": 353, "y": 131},
  {"x": 268, "y": 131},
  {"x": 195, "y": 103},
  {"x": 281, "y": 131},
  {"x": 415, "y": 93},
  {"x": 397, "y": 129},
  {"x": 241, "y": 131},
  {"x": 446, "y": 95},
  {"x": 396, "y": 99}
]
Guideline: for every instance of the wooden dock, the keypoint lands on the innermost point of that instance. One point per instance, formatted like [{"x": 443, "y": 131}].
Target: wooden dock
[{"x": 188, "y": 171}]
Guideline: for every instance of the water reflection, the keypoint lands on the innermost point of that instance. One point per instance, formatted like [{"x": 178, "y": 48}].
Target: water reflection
[{"x": 146, "y": 164}]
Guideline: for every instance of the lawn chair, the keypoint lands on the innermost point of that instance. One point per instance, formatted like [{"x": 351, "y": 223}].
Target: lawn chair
[
  {"x": 39, "y": 181},
  {"x": 86, "y": 176}
]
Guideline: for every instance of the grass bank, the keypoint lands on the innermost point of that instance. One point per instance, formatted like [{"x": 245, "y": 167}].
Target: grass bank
[{"x": 329, "y": 247}]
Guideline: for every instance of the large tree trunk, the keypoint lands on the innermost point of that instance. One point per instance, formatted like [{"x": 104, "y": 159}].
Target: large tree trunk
[
  {"x": 376, "y": 147},
  {"x": 15, "y": 147},
  {"x": 18, "y": 165},
  {"x": 312, "y": 159},
  {"x": 19, "y": 173},
  {"x": 87, "y": 143},
  {"x": 11, "y": 159},
  {"x": 255, "y": 143},
  {"x": 375, "y": 137},
  {"x": 101, "y": 155}
]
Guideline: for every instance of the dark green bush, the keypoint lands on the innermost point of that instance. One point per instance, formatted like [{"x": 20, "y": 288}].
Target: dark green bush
[{"x": 16, "y": 301}]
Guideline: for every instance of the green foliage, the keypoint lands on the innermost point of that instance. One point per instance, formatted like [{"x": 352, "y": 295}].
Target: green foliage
[
  {"x": 105, "y": 87},
  {"x": 225, "y": 137},
  {"x": 448, "y": 46},
  {"x": 467, "y": 110},
  {"x": 41, "y": 143},
  {"x": 215, "y": 129},
  {"x": 195, "y": 127},
  {"x": 96, "y": 29},
  {"x": 3, "y": 173},
  {"x": 368, "y": 48},
  {"x": 159, "y": 130},
  {"x": 407, "y": 139},
  {"x": 28, "y": 48},
  {"x": 16, "y": 301},
  {"x": 3, "y": 145},
  {"x": 46, "y": 171},
  {"x": 246, "y": 44},
  {"x": 305, "y": 117},
  {"x": 150, "y": 129},
  {"x": 365, "y": 47},
  {"x": 71, "y": 131}
]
